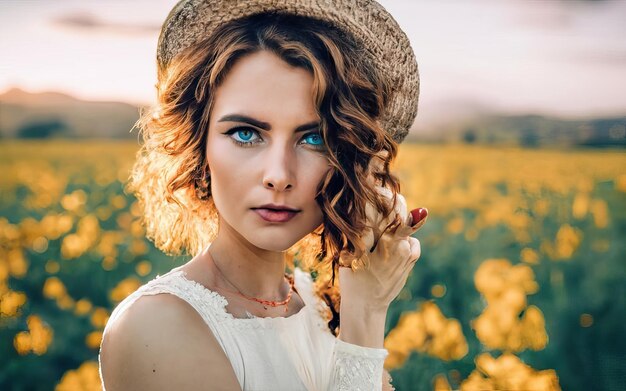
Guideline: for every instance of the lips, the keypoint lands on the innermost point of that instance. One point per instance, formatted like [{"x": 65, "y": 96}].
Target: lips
[
  {"x": 276, "y": 213},
  {"x": 275, "y": 216}
]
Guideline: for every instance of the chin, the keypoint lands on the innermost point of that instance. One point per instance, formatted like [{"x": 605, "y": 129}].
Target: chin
[{"x": 274, "y": 242}]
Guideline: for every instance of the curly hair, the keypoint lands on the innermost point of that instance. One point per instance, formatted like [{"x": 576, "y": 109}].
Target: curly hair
[{"x": 169, "y": 177}]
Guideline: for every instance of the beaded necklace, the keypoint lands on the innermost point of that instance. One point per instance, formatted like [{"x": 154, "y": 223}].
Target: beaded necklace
[{"x": 271, "y": 303}]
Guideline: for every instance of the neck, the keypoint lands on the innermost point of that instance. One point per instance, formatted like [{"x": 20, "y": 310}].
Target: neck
[{"x": 253, "y": 271}]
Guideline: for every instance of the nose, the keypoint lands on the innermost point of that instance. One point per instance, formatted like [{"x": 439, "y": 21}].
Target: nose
[{"x": 278, "y": 174}]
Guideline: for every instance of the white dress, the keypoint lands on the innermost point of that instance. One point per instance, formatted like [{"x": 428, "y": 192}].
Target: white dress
[{"x": 284, "y": 353}]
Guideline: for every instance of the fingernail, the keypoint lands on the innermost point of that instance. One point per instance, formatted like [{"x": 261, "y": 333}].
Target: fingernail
[{"x": 418, "y": 215}]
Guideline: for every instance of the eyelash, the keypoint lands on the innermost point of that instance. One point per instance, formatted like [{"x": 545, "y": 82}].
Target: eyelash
[{"x": 247, "y": 144}]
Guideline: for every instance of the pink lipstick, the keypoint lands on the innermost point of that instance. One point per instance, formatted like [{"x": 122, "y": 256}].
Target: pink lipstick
[{"x": 275, "y": 216}]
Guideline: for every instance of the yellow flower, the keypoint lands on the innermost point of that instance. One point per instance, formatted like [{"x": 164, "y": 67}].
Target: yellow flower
[
  {"x": 52, "y": 267},
  {"x": 53, "y": 288},
  {"x": 600, "y": 211},
  {"x": 86, "y": 377},
  {"x": 494, "y": 277},
  {"x": 89, "y": 229},
  {"x": 75, "y": 201},
  {"x": 143, "y": 268},
  {"x": 507, "y": 372},
  {"x": 18, "y": 265},
  {"x": 441, "y": 383},
  {"x": 36, "y": 339},
  {"x": 118, "y": 201},
  {"x": 54, "y": 225},
  {"x": 124, "y": 288},
  {"x": 580, "y": 206},
  {"x": 109, "y": 240},
  {"x": 505, "y": 287},
  {"x": 22, "y": 343},
  {"x": 103, "y": 213},
  {"x": 41, "y": 334},
  {"x": 438, "y": 290},
  {"x": 138, "y": 247},
  {"x": 426, "y": 330},
  {"x": 455, "y": 226},
  {"x": 4, "y": 267},
  {"x": 83, "y": 306},
  {"x": 99, "y": 317},
  {"x": 533, "y": 326},
  {"x": 65, "y": 302},
  {"x": 10, "y": 302},
  {"x": 568, "y": 239},
  {"x": 620, "y": 183},
  {"x": 93, "y": 339},
  {"x": 109, "y": 263},
  {"x": 542, "y": 207},
  {"x": 73, "y": 246},
  {"x": 529, "y": 255}
]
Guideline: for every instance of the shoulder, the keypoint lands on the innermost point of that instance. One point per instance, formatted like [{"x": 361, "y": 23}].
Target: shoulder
[{"x": 160, "y": 343}]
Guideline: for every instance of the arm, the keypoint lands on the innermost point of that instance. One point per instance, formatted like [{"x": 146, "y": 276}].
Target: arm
[
  {"x": 359, "y": 354},
  {"x": 161, "y": 343}
]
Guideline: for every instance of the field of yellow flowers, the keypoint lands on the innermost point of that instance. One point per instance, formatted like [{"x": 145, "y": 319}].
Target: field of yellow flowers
[{"x": 520, "y": 285}]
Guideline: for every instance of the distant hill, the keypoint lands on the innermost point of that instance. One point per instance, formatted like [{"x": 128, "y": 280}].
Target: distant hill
[
  {"x": 53, "y": 114},
  {"x": 527, "y": 130}
]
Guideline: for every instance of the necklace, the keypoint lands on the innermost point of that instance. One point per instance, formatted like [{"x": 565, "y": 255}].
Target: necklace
[{"x": 271, "y": 303}]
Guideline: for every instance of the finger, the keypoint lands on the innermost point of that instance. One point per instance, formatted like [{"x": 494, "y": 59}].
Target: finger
[
  {"x": 416, "y": 249},
  {"x": 370, "y": 209},
  {"x": 417, "y": 215},
  {"x": 415, "y": 252},
  {"x": 408, "y": 229},
  {"x": 418, "y": 218},
  {"x": 399, "y": 208}
]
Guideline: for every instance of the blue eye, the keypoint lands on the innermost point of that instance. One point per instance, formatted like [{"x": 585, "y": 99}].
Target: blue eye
[
  {"x": 244, "y": 136},
  {"x": 315, "y": 137}
]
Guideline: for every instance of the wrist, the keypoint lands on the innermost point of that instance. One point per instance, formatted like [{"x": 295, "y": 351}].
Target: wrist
[
  {"x": 363, "y": 306},
  {"x": 362, "y": 323}
]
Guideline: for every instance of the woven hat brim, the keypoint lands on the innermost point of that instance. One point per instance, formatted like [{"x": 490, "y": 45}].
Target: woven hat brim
[{"x": 373, "y": 27}]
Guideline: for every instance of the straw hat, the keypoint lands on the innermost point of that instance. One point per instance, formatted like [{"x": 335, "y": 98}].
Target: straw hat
[{"x": 369, "y": 23}]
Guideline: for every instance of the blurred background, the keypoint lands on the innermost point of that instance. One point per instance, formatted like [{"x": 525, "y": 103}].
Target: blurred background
[{"x": 517, "y": 152}]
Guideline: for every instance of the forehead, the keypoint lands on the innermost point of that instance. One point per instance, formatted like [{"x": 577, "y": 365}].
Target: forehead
[{"x": 264, "y": 85}]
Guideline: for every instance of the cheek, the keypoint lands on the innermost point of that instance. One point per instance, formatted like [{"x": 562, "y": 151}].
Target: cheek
[
  {"x": 315, "y": 175},
  {"x": 227, "y": 177}
]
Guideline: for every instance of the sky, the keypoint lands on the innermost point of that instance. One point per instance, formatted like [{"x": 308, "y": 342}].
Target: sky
[{"x": 554, "y": 57}]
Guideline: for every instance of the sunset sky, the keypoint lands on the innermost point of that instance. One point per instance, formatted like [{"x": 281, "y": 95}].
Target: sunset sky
[{"x": 565, "y": 57}]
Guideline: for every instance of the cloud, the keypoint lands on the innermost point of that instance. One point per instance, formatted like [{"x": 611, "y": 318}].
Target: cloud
[{"x": 88, "y": 21}]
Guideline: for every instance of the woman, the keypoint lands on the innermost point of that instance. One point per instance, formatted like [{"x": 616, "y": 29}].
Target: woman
[{"x": 270, "y": 143}]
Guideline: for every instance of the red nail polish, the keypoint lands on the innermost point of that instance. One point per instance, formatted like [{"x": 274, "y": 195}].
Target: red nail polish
[{"x": 418, "y": 215}]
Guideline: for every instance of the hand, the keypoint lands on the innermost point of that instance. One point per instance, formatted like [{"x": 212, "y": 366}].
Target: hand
[{"x": 393, "y": 258}]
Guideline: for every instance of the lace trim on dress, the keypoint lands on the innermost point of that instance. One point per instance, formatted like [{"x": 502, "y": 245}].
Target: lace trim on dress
[
  {"x": 219, "y": 302},
  {"x": 357, "y": 368}
]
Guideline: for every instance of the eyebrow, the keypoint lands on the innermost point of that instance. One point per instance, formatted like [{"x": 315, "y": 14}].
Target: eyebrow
[{"x": 263, "y": 125}]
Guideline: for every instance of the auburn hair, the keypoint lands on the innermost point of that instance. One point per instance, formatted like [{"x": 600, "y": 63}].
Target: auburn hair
[{"x": 169, "y": 176}]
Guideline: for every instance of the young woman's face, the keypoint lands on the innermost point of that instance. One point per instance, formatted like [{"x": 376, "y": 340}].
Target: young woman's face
[{"x": 264, "y": 147}]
